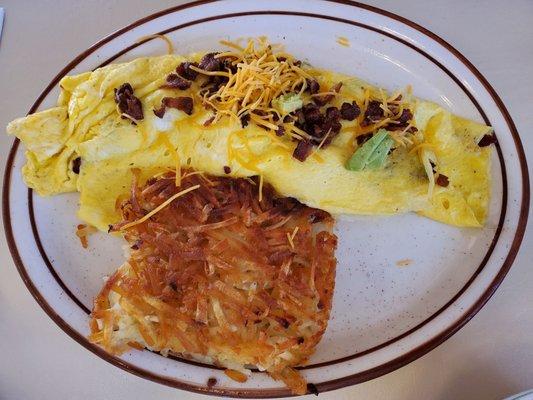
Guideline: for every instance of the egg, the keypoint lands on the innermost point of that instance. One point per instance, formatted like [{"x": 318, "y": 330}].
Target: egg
[{"x": 86, "y": 125}]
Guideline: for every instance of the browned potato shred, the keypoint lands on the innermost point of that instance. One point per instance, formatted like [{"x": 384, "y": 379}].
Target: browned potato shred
[{"x": 219, "y": 273}]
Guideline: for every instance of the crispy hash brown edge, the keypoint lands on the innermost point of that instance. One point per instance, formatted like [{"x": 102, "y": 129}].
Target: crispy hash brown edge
[{"x": 217, "y": 275}]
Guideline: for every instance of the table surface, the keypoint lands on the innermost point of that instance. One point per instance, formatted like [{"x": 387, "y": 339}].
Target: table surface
[{"x": 490, "y": 358}]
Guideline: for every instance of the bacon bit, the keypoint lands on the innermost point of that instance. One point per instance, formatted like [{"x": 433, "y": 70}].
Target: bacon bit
[
  {"x": 326, "y": 98},
  {"x": 160, "y": 112},
  {"x": 236, "y": 375},
  {"x": 310, "y": 115},
  {"x": 210, "y": 63},
  {"x": 175, "y": 81},
  {"x": 349, "y": 111},
  {"x": 406, "y": 116},
  {"x": 374, "y": 113},
  {"x": 313, "y": 86},
  {"x": 442, "y": 180},
  {"x": 184, "y": 104},
  {"x": 128, "y": 104},
  {"x": 245, "y": 119},
  {"x": 76, "y": 164},
  {"x": 302, "y": 150},
  {"x": 487, "y": 140},
  {"x": 186, "y": 72},
  {"x": 315, "y": 127},
  {"x": 333, "y": 113},
  {"x": 363, "y": 138}
]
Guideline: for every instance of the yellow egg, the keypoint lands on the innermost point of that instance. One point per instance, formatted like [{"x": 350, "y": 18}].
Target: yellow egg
[{"x": 86, "y": 124}]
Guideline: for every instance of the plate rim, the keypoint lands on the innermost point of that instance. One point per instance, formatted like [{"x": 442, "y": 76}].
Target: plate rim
[{"x": 362, "y": 376}]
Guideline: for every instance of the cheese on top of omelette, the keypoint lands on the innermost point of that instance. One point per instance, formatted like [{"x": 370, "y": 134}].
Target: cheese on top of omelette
[{"x": 86, "y": 128}]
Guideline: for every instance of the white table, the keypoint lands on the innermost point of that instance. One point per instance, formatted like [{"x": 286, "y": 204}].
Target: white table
[{"x": 491, "y": 358}]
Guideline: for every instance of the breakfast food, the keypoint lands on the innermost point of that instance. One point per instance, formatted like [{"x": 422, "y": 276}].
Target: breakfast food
[
  {"x": 217, "y": 275},
  {"x": 220, "y": 170},
  {"x": 257, "y": 111}
]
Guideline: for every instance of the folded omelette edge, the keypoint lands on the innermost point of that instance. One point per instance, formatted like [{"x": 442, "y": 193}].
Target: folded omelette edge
[{"x": 85, "y": 125}]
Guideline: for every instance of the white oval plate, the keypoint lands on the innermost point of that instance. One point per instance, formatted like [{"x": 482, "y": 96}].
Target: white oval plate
[{"x": 384, "y": 316}]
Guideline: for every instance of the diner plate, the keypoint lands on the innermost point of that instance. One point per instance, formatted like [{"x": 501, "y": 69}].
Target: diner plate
[{"x": 404, "y": 283}]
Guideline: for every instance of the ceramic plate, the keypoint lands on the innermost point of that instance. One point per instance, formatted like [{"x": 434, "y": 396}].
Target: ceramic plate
[{"x": 384, "y": 315}]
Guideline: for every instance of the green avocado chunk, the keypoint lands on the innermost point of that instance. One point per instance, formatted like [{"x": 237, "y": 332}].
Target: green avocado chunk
[
  {"x": 287, "y": 103},
  {"x": 372, "y": 154}
]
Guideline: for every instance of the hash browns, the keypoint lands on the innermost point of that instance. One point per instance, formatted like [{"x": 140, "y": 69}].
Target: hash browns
[{"x": 219, "y": 275}]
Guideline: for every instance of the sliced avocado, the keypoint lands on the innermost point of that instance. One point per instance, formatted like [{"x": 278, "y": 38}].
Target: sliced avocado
[
  {"x": 287, "y": 103},
  {"x": 372, "y": 154}
]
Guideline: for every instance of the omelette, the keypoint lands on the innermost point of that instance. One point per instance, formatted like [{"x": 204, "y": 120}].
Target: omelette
[{"x": 256, "y": 111}]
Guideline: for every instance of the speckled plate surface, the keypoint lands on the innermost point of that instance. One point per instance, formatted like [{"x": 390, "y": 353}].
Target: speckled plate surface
[{"x": 404, "y": 283}]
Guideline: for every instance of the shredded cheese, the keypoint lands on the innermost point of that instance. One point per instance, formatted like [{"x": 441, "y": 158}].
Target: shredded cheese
[
  {"x": 323, "y": 141},
  {"x": 385, "y": 104},
  {"x": 315, "y": 151},
  {"x": 289, "y": 238},
  {"x": 159, "y": 208},
  {"x": 263, "y": 72},
  {"x": 427, "y": 157},
  {"x": 209, "y": 73},
  {"x": 124, "y": 115},
  {"x": 260, "y": 187},
  {"x": 175, "y": 156},
  {"x": 233, "y": 45},
  {"x": 170, "y": 46},
  {"x": 295, "y": 232},
  {"x": 422, "y": 146}
]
